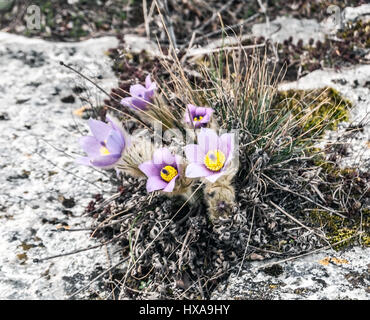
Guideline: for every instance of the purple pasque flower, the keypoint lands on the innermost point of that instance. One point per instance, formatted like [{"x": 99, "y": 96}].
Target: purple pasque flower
[
  {"x": 211, "y": 156},
  {"x": 105, "y": 147},
  {"x": 199, "y": 116},
  {"x": 140, "y": 95},
  {"x": 162, "y": 171}
]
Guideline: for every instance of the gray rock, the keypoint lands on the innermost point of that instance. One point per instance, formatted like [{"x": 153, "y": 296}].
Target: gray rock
[
  {"x": 282, "y": 28},
  {"x": 352, "y": 14},
  {"x": 38, "y": 132},
  {"x": 326, "y": 275},
  {"x": 136, "y": 44}
]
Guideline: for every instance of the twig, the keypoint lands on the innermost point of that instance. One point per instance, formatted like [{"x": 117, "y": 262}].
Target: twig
[
  {"x": 69, "y": 172},
  {"x": 213, "y": 33},
  {"x": 146, "y": 20},
  {"x": 249, "y": 238},
  {"x": 163, "y": 5},
  {"x": 72, "y": 252},
  {"x": 304, "y": 197},
  {"x": 183, "y": 247},
  {"x": 296, "y": 220},
  {"x": 215, "y": 15},
  {"x": 86, "y": 78},
  {"x": 203, "y": 51}
]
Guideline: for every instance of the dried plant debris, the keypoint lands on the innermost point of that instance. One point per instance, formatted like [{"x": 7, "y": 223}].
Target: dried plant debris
[{"x": 71, "y": 20}]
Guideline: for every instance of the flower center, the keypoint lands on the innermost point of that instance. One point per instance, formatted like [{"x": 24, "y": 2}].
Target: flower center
[
  {"x": 214, "y": 160},
  {"x": 196, "y": 119},
  {"x": 168, "y": 173},
  {"x": 103, "y": 150}
]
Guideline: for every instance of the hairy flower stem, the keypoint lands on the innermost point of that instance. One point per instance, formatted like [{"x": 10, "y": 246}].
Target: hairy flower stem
[{"x": 220, "y": 197}]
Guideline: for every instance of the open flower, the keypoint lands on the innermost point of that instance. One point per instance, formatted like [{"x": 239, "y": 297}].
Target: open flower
[
  {"x": 211, "y": 157},
  {"x": 106, "y": 146},
  {"x": 199, "y": 116},
  {"x": 140, "y": 95},
  {"x": 162, "y": 171}
]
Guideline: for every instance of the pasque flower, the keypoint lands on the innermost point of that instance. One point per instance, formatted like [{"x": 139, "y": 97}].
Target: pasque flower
[
  {"x": 107, "y": 144},
  {"x": 140, "y": 95},
  {"x": 162, "y": 171},
  {"x": 211, "y": 157},
  {"x": 199, "y": 116}
]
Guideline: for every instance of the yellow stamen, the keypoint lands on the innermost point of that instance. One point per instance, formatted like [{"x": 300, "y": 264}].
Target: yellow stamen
[
  {"x": 104, "y": 151},
  {"x": 168, "y": 173},
  {"x": 197, "y": 118},
  {"x": 214, "y": 160}
]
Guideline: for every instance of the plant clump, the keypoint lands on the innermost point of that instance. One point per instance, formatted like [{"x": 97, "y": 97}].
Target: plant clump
[{"x": 244, "y": 182}]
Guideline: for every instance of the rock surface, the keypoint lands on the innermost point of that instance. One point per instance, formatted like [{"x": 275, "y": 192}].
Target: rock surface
[
  {"x": 282, "y": 28},
  {"x": 325, "y": 275},
  {"x": 41, "y": 186}
]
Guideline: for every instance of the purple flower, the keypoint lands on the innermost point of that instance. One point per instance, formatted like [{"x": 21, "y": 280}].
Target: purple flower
[
  {"x": 140, "y": 95},
  {"x": 200, "y": 116},
  {"x": 211, "y": 156},
  {"x": 162, "y": 171},
  {"x": 105, "y": 147}
]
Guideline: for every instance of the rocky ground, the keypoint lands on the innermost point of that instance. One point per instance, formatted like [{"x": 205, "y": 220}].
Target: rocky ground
[
  {"x": 44, "y": 192},
  {"x": 42, "y": 189},
  {"x": 326, "y": 275}
]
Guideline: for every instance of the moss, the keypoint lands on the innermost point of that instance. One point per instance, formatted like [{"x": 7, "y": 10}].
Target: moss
[
  {"x": 317, "y": 109},
  {"x": 322, "y": 219},
  {"x": 342, "y": 230}
]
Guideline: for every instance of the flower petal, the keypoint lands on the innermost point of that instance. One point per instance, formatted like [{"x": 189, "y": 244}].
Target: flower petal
[
  {"x": 206, "y": 119},
  {"x": 148, "y": 82},
  {"x": 99, "y": 129},
  {"x": 137, "y": 90},
  {"x": 148, "y": 95},
  {"x": 115, "y": 144},
  {"x": 90, "y": 145},
  {"x": 190, "y": 113},
  {"x": 138, "y": 103},
  {"x": 196, "y": 170},
  {"x": 83, "y": 161},
  {"x": 213, "y": 177},
  {"x": 127, "y": 102},
  {"x": 107, "y": 161},
  {"x": 149, "y": 169},
  {"x": 163, "y": 156},
  {"x": 155, "y": 183},
  {"x": 200, "y": 111},
  {"x": 208, "y": 140},
  {"x": 194, "y": 153},
  {"x": 171, "y": 185},
  {"x": 118, "y": 127},
  {"x": 227, "y": 145}
]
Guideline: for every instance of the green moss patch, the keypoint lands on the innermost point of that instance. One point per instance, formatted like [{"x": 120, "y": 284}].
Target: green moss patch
[{"x": 319, "y": 109}]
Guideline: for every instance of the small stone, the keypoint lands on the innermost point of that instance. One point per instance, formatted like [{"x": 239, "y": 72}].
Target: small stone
[
  {"x": 68, "y": 203},
  {"x": 68, "y": 99}
]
